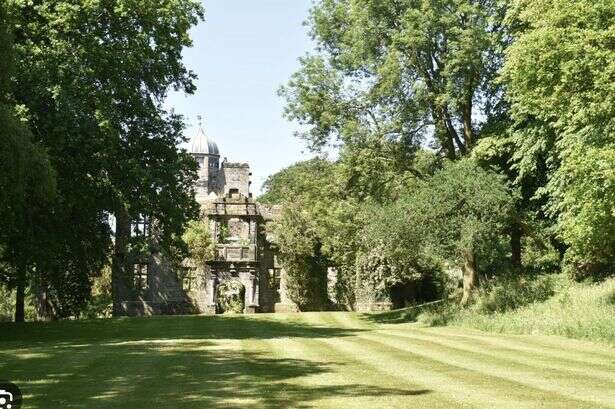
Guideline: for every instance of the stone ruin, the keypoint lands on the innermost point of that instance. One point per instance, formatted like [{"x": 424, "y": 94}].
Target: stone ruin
[{"x": 243, "y": 277}]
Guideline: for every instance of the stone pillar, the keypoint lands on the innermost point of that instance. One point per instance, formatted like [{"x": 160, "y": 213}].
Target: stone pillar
[
  {"x": 212, "y": 294},
  {"x": 251, "y": 293},
  {"x": 253, "y": 231}
]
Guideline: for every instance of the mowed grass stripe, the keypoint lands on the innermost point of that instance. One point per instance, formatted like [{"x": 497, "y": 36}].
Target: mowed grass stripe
[
  {"x": 349, "y": 320},
  {"x": 194, "y": 368},
  {"x": 585, "y": 347},
  {"x": 573, "y": 388},
  {"x": 460, "y": 385},
  {"x": 84, "y": 368},
  {"x": 352, "y": 384},
  {"x": 513, "y": 356},
  {"x": 521, "y": 343}
]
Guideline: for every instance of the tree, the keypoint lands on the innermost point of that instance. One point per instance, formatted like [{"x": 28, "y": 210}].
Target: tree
[
  {"x": 402, "y": 71},
  {"x": 198, "y": 238},
  {"x": 307, "y": 192},
  {"x": 316, "y": 195},
  {"x": 559, "y": 77},
  {"x": 458, "y": 214},
  {"x": 300, "y": 250},
  {"x": 27, "y": 182},
  {"x": 93, "y": 77}
]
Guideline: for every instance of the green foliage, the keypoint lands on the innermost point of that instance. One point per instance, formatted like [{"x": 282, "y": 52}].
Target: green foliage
[
  {"x": 539, "y": 254},
  {"x": 391, "y": 248},
  {"x": 100, "y": 305},
  {"x": 438, "y": 315},
  {"x": 309, "y": 181},
  {"x": 7, "y": 305},
  {"x": 397, "y": 70},
  {"x": 90, "y": 82},
  {"x": 461, "y": 207},
  {"x": 231, "y": 297},
  {"x": 577, "y": 310},
  {"x": 559, "y": 76},
  {"x": 508, "y": 293},
  {"x": 295, "y": 235},
  {"x": 198, "y": 238},
  {"x": 460, "y": 210},
  {"x": 27, "y": 183},
  {"x": 316, "y": 231}
]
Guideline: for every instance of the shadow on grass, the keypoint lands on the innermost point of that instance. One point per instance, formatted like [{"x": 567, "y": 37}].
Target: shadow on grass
[
  {"x": 176, "y": 327},
  {"x": 171, "y": 362},
  {"x": 393, "y": 317},
  {"x": 439, "y": 311}
]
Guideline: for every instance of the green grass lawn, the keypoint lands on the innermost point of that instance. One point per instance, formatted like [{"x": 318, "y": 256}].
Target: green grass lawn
[{"x": 324, "y": 360}]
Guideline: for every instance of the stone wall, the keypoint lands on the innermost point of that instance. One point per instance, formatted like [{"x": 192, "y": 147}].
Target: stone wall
[{"x": 235, "y": 177}]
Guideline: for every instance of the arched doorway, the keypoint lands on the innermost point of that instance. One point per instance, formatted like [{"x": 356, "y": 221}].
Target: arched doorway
[{"x": 231, "y": 297}]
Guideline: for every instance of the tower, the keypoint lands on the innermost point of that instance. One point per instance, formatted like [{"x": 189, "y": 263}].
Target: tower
[{"x": 207, "y": 155}]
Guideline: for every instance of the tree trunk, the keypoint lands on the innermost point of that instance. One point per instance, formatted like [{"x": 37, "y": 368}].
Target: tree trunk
[
  {"x": 470, "y": 276},
  {"x": 445, "y": 138},
  {"x": 20, "y": 314},
  {"x": 119, "y": 286},
  {"x": 44, "y": 309},
  {"x": 516, "y": 233}
]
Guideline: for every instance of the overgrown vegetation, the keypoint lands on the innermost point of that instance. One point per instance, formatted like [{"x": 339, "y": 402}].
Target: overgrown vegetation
[
  {"x": 87, "y": 146},
  {"x": 545, "y": 304},
  {"x": 578, "y": 310},
  {"x": 475, "y": 152},
  {"x": 475, "y": 139}
]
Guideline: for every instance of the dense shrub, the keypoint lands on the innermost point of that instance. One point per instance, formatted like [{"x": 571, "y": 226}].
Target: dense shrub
[
  {"x": 100, "y": 304},
  {"x": 231, "y": 297},
  {"x": 577, "y": 310},
  {"x": 508, "y": 293},
  {"x": 436, "y": 315}
]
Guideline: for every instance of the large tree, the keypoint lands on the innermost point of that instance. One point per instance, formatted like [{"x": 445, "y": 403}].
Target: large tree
[
  {"x": 560, "y": 76},
  {"x": 456, "y": 215},
  {"x": 92, "y": 77},
  {"x": 402, "y": 70},
  {"x": 27, "y": 182}
]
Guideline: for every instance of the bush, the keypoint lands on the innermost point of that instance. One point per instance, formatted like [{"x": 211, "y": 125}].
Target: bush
[
  {"x": 231, "y": 297},
  {"x": 100, "y": 304},
  {"x": 578, "y": 310},
  {"x": 438, "y": 315},
  {"x": 508, "y": 293},
  {"x": 580, "y": 270}
]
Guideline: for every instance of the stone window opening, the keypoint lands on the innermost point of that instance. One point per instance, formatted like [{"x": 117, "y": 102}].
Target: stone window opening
[
  {"x": 187, "y": 278},
  {"x": 141, "y": 278},
  {"x": 141, "y": 227},
  {"x": 275, "y": 275}
]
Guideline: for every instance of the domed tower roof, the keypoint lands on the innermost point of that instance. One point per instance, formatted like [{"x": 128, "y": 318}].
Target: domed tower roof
[{"x": 201, "y": 144}]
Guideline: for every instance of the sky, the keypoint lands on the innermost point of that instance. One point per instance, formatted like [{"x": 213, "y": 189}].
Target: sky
[{"x": 242, "y": 53}]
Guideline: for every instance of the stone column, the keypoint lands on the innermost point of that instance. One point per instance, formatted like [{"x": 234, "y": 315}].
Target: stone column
[
  {"x": 251, "y": 293},
  {"x": 212, "y": 295},
  {"x": 255, "y": 288},
  {"x": 253, "y": 232}
]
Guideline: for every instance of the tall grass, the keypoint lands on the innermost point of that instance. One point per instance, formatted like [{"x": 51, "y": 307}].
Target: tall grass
[{"x": 577, "y": 310}]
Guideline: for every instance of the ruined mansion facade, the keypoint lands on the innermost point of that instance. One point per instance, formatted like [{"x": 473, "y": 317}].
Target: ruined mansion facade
[{"x": 244, "y": 275}]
